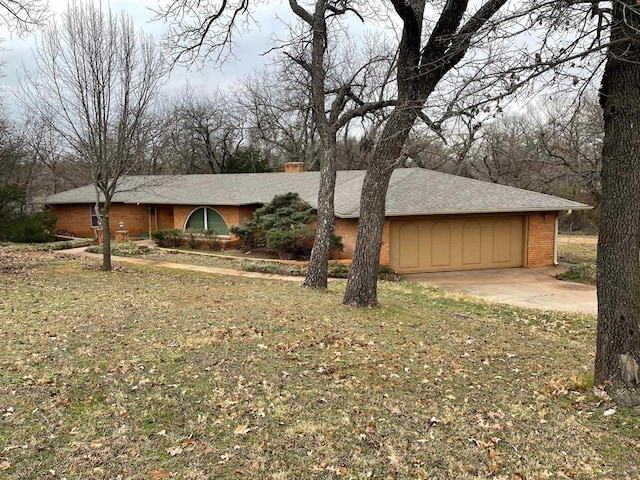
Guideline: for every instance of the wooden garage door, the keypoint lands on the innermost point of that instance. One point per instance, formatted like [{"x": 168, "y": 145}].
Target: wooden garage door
[{"x": 447, "y": 244}]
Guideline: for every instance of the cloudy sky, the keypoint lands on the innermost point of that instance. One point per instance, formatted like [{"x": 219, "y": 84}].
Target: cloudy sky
[{"x": 249, "y": 52}]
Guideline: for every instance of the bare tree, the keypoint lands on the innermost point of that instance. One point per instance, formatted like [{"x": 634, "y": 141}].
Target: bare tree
[
  {"x": 278, "y": 120},
  {"x": 22, "y": 16},
  {"x": 336, "y": 96},
  {"x": 421, "y": 67},
  {"x": 94, "y": 83},
  {"x": 465, "y": 58},
  {"x": 333, "y": 107},
  {"x": 15, "y": 172},
  {"x": 205, "y": 133}
]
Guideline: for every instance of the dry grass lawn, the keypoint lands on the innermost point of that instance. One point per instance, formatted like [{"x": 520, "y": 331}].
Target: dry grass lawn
[
  {"x": 577, "y": 248},
  {"x": 147, "y": 373}
]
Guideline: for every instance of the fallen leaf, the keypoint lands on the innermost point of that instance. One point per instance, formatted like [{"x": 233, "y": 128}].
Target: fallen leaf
[
  {"x": 173, "y": 451},
  {"x": 241, "y": 430},
  {"x": 393, "y": 409},
  {"x": 159, "y": 474},
  {"x": 5, "y": 465}
]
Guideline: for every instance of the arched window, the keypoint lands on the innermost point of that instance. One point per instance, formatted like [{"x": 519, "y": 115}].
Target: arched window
[{"x": 205, "y": 218}]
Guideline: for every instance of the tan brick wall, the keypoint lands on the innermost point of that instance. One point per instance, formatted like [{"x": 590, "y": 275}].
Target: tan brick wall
[{"x": 540, "y": 239}]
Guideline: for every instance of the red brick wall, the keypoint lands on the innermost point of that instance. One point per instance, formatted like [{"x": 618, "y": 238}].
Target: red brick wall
[
  {"x": 384, "y": 249},
  {"x": 164, "y": 217},
  {"x": 294, "y": 167},
  {"x": 540, "y": 239},
  {"x": 347, "y": 228},
  {"x": 77, "y": 219}
]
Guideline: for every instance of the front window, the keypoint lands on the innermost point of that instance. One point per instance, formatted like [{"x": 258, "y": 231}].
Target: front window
[
  {"x": 207, "y": 219},
  {"x": 95, "y": 216}
]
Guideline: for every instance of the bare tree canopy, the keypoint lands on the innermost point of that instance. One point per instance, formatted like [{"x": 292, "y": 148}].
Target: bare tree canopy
[
  {"x": 21, "y": 16},
  {"x": 194, "y": 27},
  {"x": 95, "y": 82}
]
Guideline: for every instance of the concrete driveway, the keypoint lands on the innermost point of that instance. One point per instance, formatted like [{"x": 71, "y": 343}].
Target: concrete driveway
[{"x": 522, "y": 287}]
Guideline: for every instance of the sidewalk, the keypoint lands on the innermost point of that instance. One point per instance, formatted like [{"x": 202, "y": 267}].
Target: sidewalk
[{"x": 182, "y": 266}]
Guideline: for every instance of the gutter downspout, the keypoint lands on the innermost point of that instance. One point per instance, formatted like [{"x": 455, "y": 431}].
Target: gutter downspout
[{"x": 555, "y": 241}]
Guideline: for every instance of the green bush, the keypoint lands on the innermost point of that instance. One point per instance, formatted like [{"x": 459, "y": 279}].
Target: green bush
[
  {"x": 170, "y": 238},
  {"x": 128, "y": 249},
  {"x": 291, "y": 244},
  {"x": 338, "y": 270},
  {"x": 282, "y": 225},
  {"x": 30, "y": 228}
]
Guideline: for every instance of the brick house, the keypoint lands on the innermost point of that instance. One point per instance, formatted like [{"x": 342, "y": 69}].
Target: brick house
[{"x": 434, "y": 221}]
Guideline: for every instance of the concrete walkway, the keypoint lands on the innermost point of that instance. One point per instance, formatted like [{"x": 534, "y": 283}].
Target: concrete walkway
[
  {"x": 180, "y": 266},
  {"x": 529, "y": 288},
  {"x": 522, "y": 287}
]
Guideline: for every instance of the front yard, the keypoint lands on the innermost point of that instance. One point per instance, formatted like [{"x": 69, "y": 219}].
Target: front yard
[{"x": 147, "y": 373}]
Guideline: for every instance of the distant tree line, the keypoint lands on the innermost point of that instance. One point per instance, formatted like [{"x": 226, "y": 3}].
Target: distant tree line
[{"x": 551, "y": 146}]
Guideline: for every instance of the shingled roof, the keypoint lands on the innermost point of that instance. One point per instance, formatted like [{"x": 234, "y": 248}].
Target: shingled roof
[{"x": 412, "y": 191}]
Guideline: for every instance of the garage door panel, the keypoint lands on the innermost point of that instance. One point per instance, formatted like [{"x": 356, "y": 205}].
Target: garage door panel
[
  {"x": 471, "y": 243},
  {"x": 410, "y": 254},
  {"x": 456, "y": 243},
  {"x": 441, "y": 244},
  {"x": 501, "y": 241}
]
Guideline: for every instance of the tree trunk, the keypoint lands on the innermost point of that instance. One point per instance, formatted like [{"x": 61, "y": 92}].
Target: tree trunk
[
  {"x": 106, "y": 237},
  {"x": 318, "y": 270},
  {"x": 362, "y": 284},
  {"x": 618, "y": 265}
]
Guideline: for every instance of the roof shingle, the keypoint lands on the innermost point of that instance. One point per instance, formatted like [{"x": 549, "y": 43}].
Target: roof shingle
[{"x": 412, "y": 191}]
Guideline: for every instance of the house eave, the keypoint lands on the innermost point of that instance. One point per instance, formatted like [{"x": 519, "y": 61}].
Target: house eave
[{"x": 474, "y": 212}]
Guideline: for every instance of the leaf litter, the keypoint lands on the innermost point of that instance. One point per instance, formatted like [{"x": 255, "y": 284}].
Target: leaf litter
[{"x": 148, "y": 373}]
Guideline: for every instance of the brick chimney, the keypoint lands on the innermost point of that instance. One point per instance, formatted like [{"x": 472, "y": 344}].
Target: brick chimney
[{"x": 294, "y": 167}]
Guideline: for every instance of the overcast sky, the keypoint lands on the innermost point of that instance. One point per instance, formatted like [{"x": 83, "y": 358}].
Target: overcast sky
[{"x": 249, "y": 53}]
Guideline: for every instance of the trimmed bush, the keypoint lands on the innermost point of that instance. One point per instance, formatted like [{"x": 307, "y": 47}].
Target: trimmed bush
[{"x": 170, "y": 238}]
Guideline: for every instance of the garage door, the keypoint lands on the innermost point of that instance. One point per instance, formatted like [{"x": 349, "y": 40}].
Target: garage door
[{"x": 468, "y": 243}]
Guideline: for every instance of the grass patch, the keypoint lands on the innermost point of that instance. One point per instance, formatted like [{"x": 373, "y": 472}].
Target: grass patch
[
  {"x": 152, "y": 373},
  {"x": 582, "y": 273},
  {"x": 124, "y": 249},
  {"x": 45, "y": 247},
  {"x": 577, "y": 248}
]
